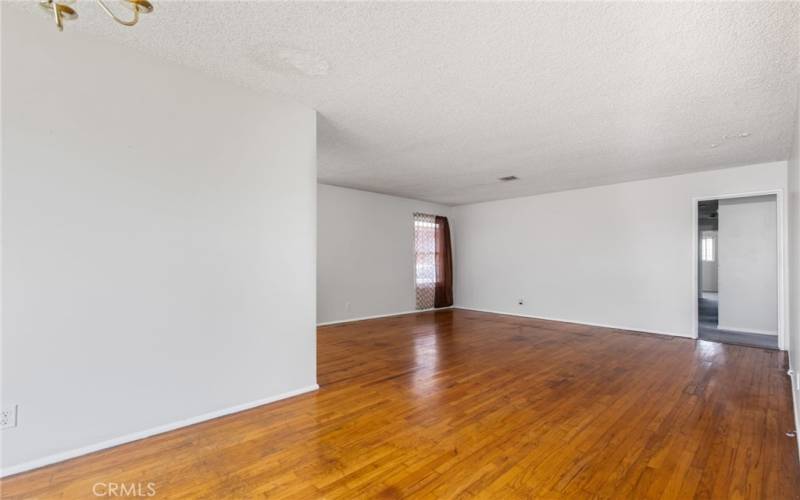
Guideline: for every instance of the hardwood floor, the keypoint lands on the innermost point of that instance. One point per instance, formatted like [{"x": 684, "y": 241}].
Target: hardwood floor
[{"x": 460, "y": 404}]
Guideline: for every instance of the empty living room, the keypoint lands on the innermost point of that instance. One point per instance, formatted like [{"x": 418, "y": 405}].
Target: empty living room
[{"x": 399, "y": 249}]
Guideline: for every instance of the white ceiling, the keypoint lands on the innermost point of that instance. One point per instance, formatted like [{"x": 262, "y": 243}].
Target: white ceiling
[{"x": 437, "y": 100}]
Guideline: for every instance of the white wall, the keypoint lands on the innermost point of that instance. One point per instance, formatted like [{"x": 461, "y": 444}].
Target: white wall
[
  {"x": 748, "y": 265},
  {"x": 365, "y": 253},
  {"x": 618, "y": 255},
  {"x": 794, "y": 261},
  {"x": 158, "y": 243}
]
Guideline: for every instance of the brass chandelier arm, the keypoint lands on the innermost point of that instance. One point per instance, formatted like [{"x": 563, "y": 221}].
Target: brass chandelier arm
[
  {"x": 121, "y": 21},
  {"x": 61, "y": 11},
  {"x": 57, "y": 17}
]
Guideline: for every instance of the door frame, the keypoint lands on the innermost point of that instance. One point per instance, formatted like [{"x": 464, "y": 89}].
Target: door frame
[{"x": 782, "y": 249}]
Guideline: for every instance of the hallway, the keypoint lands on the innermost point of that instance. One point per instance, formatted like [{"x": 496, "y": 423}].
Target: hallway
[{"x": 707, "y": 329}]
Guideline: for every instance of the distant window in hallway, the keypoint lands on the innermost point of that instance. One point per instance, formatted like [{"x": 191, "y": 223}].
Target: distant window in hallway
[{"x": 708, "y": 250}]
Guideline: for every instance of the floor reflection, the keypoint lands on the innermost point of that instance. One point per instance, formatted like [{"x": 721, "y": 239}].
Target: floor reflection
[
  {"x": 707, "y": 350},
  {"x": 427, "y": 359}
]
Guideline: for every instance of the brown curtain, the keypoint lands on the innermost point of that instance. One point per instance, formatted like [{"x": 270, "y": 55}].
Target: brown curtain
[{"x": 444, "y": 265}]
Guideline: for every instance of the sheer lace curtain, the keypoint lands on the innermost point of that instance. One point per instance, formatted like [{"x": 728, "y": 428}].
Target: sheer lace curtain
[
  {"x": 425, "y": 251},
  {"x": 434, "y": 266}
]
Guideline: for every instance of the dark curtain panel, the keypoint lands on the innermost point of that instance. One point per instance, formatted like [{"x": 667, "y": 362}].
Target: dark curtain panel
[{"x": 444, "y": 265}]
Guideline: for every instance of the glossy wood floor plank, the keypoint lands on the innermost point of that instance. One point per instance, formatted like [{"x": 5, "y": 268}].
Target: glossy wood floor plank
[{"x": 461, "y": 404}]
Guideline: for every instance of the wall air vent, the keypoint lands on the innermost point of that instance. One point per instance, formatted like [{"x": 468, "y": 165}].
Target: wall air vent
[{"x": 509, "y": 178}]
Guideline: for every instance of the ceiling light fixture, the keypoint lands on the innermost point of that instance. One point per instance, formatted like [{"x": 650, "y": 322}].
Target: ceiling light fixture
[{"x": 61, "y": 11}]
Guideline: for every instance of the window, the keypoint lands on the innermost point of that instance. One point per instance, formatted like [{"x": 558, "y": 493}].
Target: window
[
  {"x": 425, "y": 265},
  {"x": 707, "y": 249},
  {"x": 433, "y": 261}
]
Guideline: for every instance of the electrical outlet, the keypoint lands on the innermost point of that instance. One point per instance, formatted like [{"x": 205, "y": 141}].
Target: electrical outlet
[
  {"x": 347, "y": 306},
  {"x": 8, "y": 417}
]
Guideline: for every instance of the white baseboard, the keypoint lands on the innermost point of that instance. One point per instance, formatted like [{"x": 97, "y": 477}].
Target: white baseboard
[
  {"x": 362, "y": 318},
  {"x": 66, "y": 455},
  {"x": 746, "y": 330},
  {"x": 561, "y": 320}
]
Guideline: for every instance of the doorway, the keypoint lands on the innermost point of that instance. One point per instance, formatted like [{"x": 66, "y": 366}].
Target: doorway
[{"x": 738, "y": 271}]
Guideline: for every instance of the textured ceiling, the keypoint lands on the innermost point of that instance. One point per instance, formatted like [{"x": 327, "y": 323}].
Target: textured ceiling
[{"x": 437, "y": 100}]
